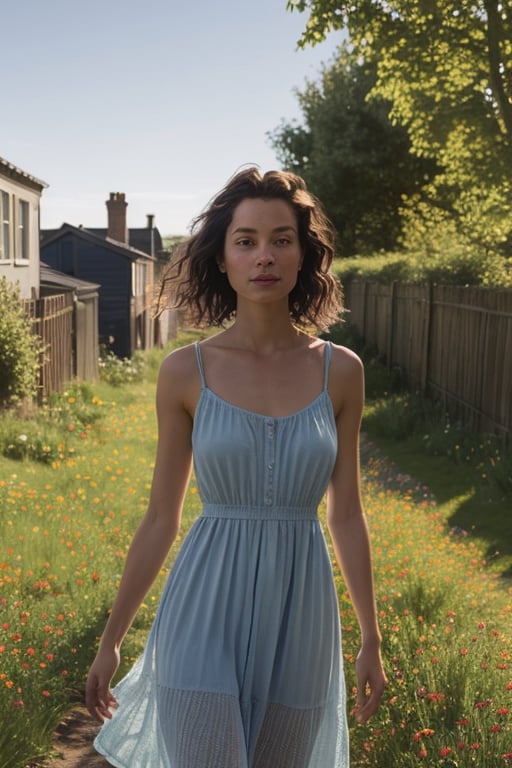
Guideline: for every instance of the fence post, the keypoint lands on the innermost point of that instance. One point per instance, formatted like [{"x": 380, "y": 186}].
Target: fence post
[
  {"x": 365, "y": 304},
  {"x": 427, "y": 337},
  {"x": 391, "y": 325}
]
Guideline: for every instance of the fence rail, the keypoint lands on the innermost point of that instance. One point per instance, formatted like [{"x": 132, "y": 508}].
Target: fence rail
[
  {"x": 452, "y": 341},
  {"x": 52, "y": 320}
]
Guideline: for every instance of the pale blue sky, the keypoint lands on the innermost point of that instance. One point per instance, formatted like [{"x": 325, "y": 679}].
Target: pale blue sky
[{"x": 160, "y": 99}]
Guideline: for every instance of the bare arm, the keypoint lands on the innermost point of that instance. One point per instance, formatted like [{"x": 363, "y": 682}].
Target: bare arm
[
  {"x": 349, "y": 532},
  {"x": 154, "y": 536}
]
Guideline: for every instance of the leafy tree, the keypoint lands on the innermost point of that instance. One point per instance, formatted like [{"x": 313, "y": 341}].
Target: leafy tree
[
  {"x": 446, "y": 67},
  {"x": 351, "y": 155}
]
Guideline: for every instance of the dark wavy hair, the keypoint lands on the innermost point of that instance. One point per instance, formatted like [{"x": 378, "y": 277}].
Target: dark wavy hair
[{"x": 195, "y": 283}]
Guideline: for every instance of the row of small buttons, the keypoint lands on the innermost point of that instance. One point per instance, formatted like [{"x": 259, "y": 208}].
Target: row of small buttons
[{"x": 270, "y": 452}]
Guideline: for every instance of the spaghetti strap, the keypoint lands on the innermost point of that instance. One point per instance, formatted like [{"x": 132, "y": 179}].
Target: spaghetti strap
[
  {"x": 200, "y": 365},
  {"x": 327, "y": 363}
]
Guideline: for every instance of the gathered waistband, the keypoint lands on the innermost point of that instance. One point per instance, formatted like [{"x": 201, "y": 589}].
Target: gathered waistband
[{"x": 244, "y": 512}]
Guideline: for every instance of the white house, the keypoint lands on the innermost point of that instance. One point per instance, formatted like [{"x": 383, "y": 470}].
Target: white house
[{"x": 20, "y": 195}]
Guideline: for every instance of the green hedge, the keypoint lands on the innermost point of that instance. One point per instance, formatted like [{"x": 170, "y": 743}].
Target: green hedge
[{"x": 20, "y": 348}]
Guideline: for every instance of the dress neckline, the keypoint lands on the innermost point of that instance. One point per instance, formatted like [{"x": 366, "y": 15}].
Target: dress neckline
[
  {"x": 321, "y": 395},
  {"x": 205, "y": 390}
]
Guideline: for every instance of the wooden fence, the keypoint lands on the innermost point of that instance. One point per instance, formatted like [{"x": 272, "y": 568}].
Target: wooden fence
[
  {"x": 453, "y": 342},
  {"x": 52, "y": 320}
]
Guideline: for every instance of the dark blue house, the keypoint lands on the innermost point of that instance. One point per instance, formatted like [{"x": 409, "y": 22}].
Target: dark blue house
[{"x": 124, "y": 273}]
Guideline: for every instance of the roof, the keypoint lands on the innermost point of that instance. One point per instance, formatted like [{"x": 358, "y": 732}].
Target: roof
[
  {"x": 138, "y": 238},
  {"x": 50, "y": 235},
  {"x": 50, "y": 276},
  {"x": 13, "y": 172}
]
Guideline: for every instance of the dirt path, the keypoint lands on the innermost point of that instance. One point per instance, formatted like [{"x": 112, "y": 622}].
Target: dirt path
[{"x": 73, "y": 742}]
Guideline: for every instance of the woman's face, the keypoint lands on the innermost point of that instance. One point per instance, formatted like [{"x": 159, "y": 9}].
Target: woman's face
[{"x": 262, "y": 253}]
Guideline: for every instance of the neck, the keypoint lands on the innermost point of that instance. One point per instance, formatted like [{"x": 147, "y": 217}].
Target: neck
[{"x": 264, "y": 332}]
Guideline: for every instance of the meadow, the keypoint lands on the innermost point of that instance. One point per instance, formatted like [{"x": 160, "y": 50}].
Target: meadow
[{"x": 73, "y": 485}]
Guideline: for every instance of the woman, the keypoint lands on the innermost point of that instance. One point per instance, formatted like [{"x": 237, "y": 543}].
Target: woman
[{"x": 243, "y": 667}]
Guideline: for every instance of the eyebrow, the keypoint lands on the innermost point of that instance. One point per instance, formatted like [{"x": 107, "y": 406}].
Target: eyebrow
[{"x": 252, "y": 230}]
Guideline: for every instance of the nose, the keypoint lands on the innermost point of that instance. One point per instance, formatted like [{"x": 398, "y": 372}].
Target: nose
[{"x": 266, "y": 255}]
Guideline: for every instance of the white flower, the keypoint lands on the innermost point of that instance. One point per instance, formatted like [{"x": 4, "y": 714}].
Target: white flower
[{"x": 23, "y": 438}]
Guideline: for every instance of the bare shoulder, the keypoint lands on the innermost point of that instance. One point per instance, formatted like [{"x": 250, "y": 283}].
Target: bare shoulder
[
  {"x": 346, "y": 378},
  {"x": 179, "y": 378},
  {"x": 345, "y": 363}
]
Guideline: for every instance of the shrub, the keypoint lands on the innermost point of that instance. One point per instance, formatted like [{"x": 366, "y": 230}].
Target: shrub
[
  {"x": 20, "y": 349},
  {"x": 118, "y": 371},
  {"x": 55, "y": 430}
]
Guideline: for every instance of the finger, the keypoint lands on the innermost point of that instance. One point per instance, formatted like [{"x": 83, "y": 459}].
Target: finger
[
  {"x": 99, "y": 702},
  {"x": 368, "y": 701}
]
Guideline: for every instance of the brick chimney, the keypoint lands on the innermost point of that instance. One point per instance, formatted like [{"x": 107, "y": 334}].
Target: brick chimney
[{"x": 116, "y": 207}]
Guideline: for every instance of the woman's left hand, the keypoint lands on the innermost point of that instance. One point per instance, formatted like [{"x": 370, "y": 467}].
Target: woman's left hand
[{"x": 371, "y": 681}]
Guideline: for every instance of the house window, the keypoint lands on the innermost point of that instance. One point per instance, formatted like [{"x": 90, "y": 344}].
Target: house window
[
  {"x": 22, "y": 241},
  {"x": 5, "y": 226}
]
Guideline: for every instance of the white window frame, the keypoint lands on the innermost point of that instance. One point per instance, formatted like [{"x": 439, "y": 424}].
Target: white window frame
[
  {"x": 5, "y": 227},
  {"x": 22, "y": 252}
]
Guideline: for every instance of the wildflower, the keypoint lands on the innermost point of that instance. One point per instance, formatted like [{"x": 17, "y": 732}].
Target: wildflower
[
  {"x": 424, "y": 732},
  {"x": 435, "y": 696},
  {"x": 46, "y": 693}
]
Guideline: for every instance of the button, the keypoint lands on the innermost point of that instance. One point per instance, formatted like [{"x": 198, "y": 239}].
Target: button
[{"x": 270, "y": 466}]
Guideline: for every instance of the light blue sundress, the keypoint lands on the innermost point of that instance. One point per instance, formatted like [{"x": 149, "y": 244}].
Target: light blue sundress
[{"x": 243, "y": 666}]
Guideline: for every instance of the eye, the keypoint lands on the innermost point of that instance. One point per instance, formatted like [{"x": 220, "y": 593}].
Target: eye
[
  {"x": 244, "y": 242},
  {"x": 282, "y": 241}
]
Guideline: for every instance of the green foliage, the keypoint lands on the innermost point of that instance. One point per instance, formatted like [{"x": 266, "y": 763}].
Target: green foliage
[
  {"x": 446, "y": 69},
  {"x": 55, "y": 431},
  {"x": 20, "y": 349},
  {"x": 351, "y": 155},
  {"x": 449, "y": 262},
  {"x": 380, "y": 268},
  {"x": 118, "y": 371}
]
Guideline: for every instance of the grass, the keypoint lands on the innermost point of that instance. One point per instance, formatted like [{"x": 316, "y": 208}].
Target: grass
[{"x": 444, "y": 607}]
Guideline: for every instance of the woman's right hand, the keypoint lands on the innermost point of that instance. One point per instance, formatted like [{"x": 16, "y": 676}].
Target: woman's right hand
[{"x": 99, "y": 699}]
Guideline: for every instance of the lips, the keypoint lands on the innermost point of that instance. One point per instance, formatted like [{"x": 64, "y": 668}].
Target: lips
[{"x": 265, "y": 279}]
